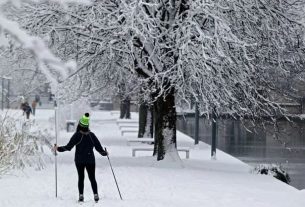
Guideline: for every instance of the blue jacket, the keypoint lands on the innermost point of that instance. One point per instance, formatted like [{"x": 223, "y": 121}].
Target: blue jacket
[{"x": 84, "y": 142}]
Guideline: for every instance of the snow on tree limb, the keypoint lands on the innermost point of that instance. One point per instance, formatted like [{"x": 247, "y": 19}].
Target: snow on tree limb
[
  {"x": 18, "y": 3},
  {"x": 53, "y": 68},
  {"x": 222, "y": 53},
  {"x": 47, "y": 61}
]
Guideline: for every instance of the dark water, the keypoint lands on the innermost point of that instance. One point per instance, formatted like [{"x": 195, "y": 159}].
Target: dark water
[{"x": 284, "y": 145}]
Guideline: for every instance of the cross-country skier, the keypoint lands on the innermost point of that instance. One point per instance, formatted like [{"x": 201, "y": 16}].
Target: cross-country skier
[{"x": 84, "y": 140}]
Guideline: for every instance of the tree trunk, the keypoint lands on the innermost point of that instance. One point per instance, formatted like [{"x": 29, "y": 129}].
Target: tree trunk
[
  {"x": 122, "y": 110},
  {"x": 125, "y": 108},
  {"x": 165, "y": 126},
  {"x": 142, "y": 119},
  {"x": 150, "y": 122},
  {"x": 127, "y": 105},
  {"x": 145, "y": 121}
]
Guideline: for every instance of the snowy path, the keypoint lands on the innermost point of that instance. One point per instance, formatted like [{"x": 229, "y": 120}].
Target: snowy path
[{"x": 224, "y": 182}]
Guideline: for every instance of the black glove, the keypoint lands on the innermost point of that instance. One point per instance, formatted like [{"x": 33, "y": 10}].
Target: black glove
[{"x": 104, "y": 153}]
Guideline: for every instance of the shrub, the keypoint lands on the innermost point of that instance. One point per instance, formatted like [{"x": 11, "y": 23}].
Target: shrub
[
  {"x": 18, "y": 147},
  {"x": 274, "y": 170}
]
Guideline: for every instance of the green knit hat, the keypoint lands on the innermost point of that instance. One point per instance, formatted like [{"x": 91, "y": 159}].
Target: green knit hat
[{"x": 84, "y": 121}]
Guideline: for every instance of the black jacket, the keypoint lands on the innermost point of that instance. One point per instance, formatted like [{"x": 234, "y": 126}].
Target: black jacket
[{"x": 84, "y": 142}]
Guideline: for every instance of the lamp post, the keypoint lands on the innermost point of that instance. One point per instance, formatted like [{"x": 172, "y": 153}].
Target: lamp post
[
  {"x": 8, "y": 94},
  {"x": 196, "y": 123},
  {"x": 2, "y": 90},
  {"x": 2, "y": 93},
  {"x": 214, "y": 134}
]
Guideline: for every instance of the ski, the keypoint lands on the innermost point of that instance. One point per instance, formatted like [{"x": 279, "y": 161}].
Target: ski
[{"x": 87, "y": 203}]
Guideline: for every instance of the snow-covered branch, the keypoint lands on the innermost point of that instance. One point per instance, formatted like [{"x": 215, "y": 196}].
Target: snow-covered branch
[
  {"x": 223, "y": 53},
  {"x": 53, "y": 67}
]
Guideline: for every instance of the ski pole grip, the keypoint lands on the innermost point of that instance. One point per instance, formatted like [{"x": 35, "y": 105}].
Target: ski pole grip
[{"x": 106, "y": 151}]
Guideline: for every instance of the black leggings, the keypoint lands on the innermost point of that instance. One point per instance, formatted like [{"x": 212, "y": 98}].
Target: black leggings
[{"x": 81, "y": 176}]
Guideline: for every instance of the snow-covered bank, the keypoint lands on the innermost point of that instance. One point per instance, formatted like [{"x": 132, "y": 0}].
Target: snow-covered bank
[{"x": 224, "y": 182}]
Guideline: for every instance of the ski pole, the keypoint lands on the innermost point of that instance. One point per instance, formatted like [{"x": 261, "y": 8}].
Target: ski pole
[
  {"x": 56, "y": 134},
  {"x": 113, "y": 175},
  {"x": 55, "y": 153}
]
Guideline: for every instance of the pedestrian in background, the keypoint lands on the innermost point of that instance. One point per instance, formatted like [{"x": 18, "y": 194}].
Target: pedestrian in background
[
  {"x": 27, "y": 110},
  {"x": 37, "y": 99},
  {"x": 34, "y": 104}
]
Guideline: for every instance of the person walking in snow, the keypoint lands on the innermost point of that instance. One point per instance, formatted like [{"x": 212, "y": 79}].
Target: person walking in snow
[
  {"x": 85, "y": 141},
  {"x": 34, "y": 104},
  {"x": 27, "y": 110}
]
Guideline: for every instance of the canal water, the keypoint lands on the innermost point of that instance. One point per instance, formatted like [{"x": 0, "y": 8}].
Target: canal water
[{"x": 282, "y": 145}]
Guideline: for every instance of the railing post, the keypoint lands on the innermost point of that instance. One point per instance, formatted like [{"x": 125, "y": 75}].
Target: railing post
[
  {"x": 196, "y": 123},
  {"x": 214, "y": 135}
]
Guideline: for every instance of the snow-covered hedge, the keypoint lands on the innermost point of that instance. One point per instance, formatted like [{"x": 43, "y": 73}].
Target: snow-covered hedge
[
  {"x": 274, "y": 170},
  {"x": 18, "y": 147}
]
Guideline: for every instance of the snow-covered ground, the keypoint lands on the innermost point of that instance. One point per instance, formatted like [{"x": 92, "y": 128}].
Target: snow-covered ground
[{"x": 195, "y": 182}]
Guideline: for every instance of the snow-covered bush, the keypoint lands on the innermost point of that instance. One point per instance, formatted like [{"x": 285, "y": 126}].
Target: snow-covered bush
[
  {"x": 274, "y": 170},
  {"x": 18, "y": 147}
]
